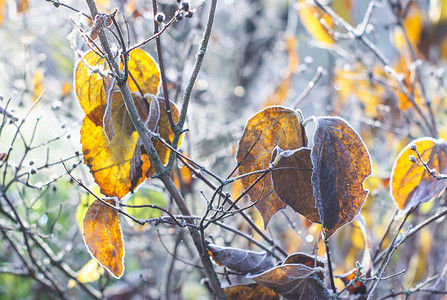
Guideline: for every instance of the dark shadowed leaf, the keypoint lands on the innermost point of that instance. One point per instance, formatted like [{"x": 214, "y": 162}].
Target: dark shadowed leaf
[
  {"x": 243, "y": 261},
  {"x": 294, "y": 281},
  {"x": 103, "y": 237},
  {"x": 341, "y": 163},
  {"x": 305, "y": 259},
  {"x": 291, "y": 177},
  {"x": 411, "y": 184},
  {"x": 273, "y": 126},
  {"x": 250, "y": 292}
]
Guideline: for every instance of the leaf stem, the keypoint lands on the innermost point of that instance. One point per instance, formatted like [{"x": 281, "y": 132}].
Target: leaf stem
[{"x": 329, "y": 263}]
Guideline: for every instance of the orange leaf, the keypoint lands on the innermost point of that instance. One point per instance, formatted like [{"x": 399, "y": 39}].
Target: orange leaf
[
  {"x": 103, "y": 237},
  {"x": 91, "y": 87},
  {"x": 273, "y": 126},
  {"x": 411, "y": 184},
  {"x": 109, "y": 161},
  {"x": 317, "y": 23},
  {"x": 341, "y": 163},
  {"x": 250, "y": 291},
  {"x": 291, "y": 177}
]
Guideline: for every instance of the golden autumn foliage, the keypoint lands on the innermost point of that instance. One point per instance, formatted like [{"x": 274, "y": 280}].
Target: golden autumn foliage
[
  {"x": 411, "y": 184},
  {"x": 103, "y": 237}
]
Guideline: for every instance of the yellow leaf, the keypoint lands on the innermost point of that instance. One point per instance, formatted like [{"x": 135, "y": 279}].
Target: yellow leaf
[
  {"x": 412, "y": 25},
  {"x": 37, "y": 84},
  {"x": 2, "y": 11},
  {"x": 411, "y": 184},
  {"x": 90, "y": 87},
  {"x": 109, "y": 161},
  {"x": 316, "y": 22},
  {"x": 103, "y": 237},
  {"x": 355, "y": 82},
  {"x": 90, "y": 272}
]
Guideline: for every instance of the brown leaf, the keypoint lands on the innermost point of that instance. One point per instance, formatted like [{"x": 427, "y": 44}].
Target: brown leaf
[
  {"x": 411, "y": 184},
  {"x": 103, "y": 237},
  {"x": 101, "y": 21},
  {"x": 271, "y": 127},
  {"x": 291, "y": 177},
  {"x": 294, "y": 281},
  {"x": 250, "y": 292},
  {"x": 311, "y": 261},
  {"x": 341, "y": 163},
  {"x": 243, "y": 261}
]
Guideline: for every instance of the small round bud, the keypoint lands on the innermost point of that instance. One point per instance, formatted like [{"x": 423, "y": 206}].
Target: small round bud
[
  {"x": 412, "y": 158},
  {"x": 77, "y": 153},
  {"x": 68, "y": 136},
  {"x": 184, "y": 5},
  {"x": 179, "y": 17},
  {"x": 413, "y": 147},
  {"x": 189, "y": 14},
  {"x": 31, "y": 162},
  {"x": 32, "y": 171},
  {"x": 160, "y": 17}
]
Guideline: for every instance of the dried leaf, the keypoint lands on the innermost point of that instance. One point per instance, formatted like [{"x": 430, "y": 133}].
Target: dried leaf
[
  {"x": 250, "y": 292},
  {"x": 103, "y": 237},
  {"x": 101, "y": 21},
  {"x": 411, "y": 184},
  {"x": 291, "y": 177},
  {"x": 311, "y": 261},
  {"x": 294, "y": 281},
  {"x": 341, "y": 163},
  {"x": 90, "y": 272},
  {"x": 273, "y": 126},
  {"x": 243, "y": 261}
]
